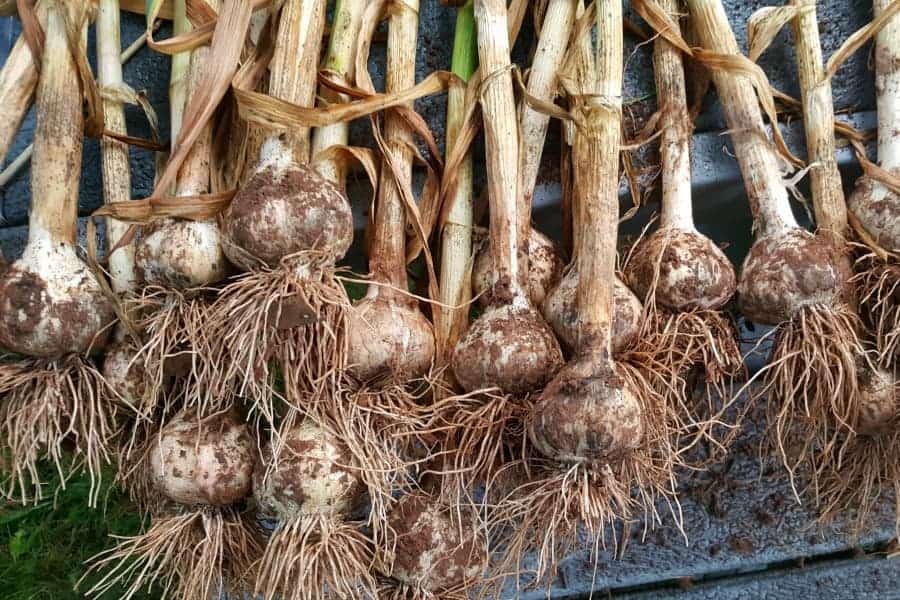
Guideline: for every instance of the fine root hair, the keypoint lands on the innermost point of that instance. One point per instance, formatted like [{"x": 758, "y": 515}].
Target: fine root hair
[
  {"x": 543, "y": 517},
  {"x": 388, "y": 589},
  {"x": 316, "y": 557},
  {"x": 62, "y": 411},
  {"x": 199, "y": 554},
  {"x": 294, "y": 316},
  {"x": 853, "y": 484},
  {"x": 811, "y": 386},
  {"x": 878, "y": 287},
  {"x": 704, "y": 340},
  {"x": 174, "y": 325},
  {"x": 383, "y": 428},
  {"x": 689, "y": 346},
  {"x": 479, "y": 432}
]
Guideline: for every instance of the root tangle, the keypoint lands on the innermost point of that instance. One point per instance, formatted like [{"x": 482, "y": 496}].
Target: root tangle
[
  {"x": 49, "y": 408},
  {"x": 316, "y": 557},
  {"x": 201, "y": 554}
]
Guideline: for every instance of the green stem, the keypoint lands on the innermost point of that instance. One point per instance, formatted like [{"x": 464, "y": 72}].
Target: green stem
[
  {"x": 335, "y": 58},
  {"x": 456, "y": 239},
  {"x": 339, "y": 59},
  {"x": 465, "y": 43}
]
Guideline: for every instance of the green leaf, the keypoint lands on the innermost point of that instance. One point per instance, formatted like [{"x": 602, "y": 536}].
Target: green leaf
[
  {"x": 18, "y": 545},
  {"x": 8, "y": 516}
]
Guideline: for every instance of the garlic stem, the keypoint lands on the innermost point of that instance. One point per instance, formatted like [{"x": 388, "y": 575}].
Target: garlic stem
[
  {"x": 596, "y": 156},
  {"x": 675, "y": 125},
  {"x": 292, "y": 75},
  {"x": 16, "y": 165},
  {"x": 339, "y": 59},
  {"x": 543, "y": 79},
  {"x": 387, "y": 261},
  {"x": 24, "y": 157},
  {"x": 181, "y": 63},
  {"x": 818, "y": 119},
  {"x": 502, "y": 147},
  {"x": 887, "y": 87},
  {"x": 585, "y": 73},
  {"x": 116, "y": 168},
  {"x": 456, "y": 239},
  {"x": 758, "y": 159},
  {"x": 57, "y": 139},
  {"x": 193, "y": 176},
  {"x": 18, "y": 78}
]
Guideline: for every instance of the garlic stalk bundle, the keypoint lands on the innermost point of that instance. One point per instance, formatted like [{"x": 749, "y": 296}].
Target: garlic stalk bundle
[
  {"x": 195, "y": 475},
  {"x": 286, "y": 227},
  {"x": 509, "y": 351},
  {"x": 856, "y": 452},
  {"x": 388, "y": 336},
  {"x": 390, "y": 343},
  {"x": 601, "y": 436},
  {"x": 694, "y": 273},
  {"x": 791, "y": 278},
  {"x": 177, "y": 261},
  {"x": 509, "y": 346},
  {"x": 313, "y": 490},
  {"x": 52, "y": 309},
  {"x": 544, "y": 264},
  {"x": 560, "y": 306},
  {"x": 874, "y": 205},
  {"x": 179, "y": 253},
  {"x": 683, "y": 277}
]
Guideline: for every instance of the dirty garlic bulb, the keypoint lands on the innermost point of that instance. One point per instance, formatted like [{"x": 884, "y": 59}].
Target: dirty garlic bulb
[{"x": 206, "y": 462}]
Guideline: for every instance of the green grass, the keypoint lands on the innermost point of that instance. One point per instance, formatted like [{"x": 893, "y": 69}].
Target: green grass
[{"x": 43, "y": 548}]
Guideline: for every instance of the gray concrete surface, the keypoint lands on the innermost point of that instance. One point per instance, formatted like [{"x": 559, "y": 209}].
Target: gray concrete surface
[{"x": 747, "y": 536}]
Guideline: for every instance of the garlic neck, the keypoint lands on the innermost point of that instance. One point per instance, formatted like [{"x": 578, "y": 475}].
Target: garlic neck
[
  {"x": 675, "y": 125},
  {"x": 275, "y": 154},
  {"x": 758, "y": 159}
]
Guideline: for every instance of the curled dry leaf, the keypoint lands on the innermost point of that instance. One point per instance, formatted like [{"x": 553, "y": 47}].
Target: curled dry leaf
[
  {"x": 348, "y": 155},
  {"x": 736, "y": 64},
  {"x": 201, "y": 15},
  {"x": 859, "y": 39},
  {"x": 273, "y": 113},
  {"x": 224, "y": 56},
  {"x": 765, "y": 24},
  {"x": 195, "y": 208},
  {"x": 744, "y": 66},
  {"x": 31, "y": 30},
  {"x": 661, "y": 22}
]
